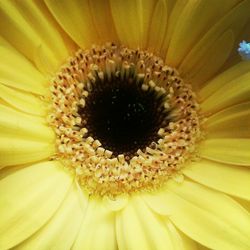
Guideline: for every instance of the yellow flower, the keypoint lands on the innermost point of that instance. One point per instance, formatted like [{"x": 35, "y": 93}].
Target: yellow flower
[{"x": 56, "y": 192}]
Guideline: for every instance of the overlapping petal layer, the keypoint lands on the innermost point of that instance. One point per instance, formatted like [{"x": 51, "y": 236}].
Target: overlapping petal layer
[
  {"x": 28, "y": 200},
  {"x": 233, "y": 180},
  {"x": 26, "y": 76},
  {"x": 230, "y": 122},
  {"x": 62, "y": 229},
  {"x": 18, "y": 125},
  {"x": 97, "y": 230},
  {"x": 150, "y": 230},
  {"x": 188, "y": 206},
  {"x": 227, "y": 150},
  {"x": 30, "y": 28}
]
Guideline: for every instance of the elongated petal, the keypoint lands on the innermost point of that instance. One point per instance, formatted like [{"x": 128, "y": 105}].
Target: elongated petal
[
  {"x": 212, "y": 60},
  {"x": 179, "y": 240},
  {"x": 77, "y": 21},
  {"x": 231, "y": 122},
  {"x": 28, "y": 200},
  {"x": 25, "y": 77},
  {"x": 229, "y": 225},
  {"x": 103, "y": 21},
  {"x": 176, "y": 9},
  {"x": 98, "y": 228},
  {"x": 15, "y": 151},
  {"x": 233, "y": 180},
  {"x": 132, "y": 20},
  {"x": 229, "y": 94},
  {"x": 158, "y": 27},
  {"x": 29, "y": 26},
  {"x": 229, "y": 150},
  {"x": 225, "y": 224},
  {"x": 137, "y": 227},
  {"x": 229, "y": 75},
  {"x": 61, "y": 230},
  {"x": 244, "y": 203},
  {"x": 185, "y": 36},
  {"x": 15, "y": 124},
  {"x": 208, "y": 55},
  {"x": 22, "y": 101}
]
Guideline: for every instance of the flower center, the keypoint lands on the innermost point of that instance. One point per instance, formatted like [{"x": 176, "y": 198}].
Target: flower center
[
  {"x": 122, "y": 115},
  {"x": 124, "y": 121}
]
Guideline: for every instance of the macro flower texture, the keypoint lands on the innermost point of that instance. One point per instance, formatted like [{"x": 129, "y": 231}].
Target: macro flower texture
[{"x": 124, "y": 124}]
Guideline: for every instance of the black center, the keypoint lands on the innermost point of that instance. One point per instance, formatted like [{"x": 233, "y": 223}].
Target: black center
[{"x": 122, "y": 116}]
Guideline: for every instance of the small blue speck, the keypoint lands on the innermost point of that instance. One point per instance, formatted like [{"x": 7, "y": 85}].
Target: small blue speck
[{"x": 244, "y": 50}]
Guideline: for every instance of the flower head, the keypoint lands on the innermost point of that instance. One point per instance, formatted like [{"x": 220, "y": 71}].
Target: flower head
[{"x": 124, "y": 125}]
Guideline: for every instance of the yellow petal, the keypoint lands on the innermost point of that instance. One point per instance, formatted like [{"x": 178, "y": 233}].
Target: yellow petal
[
  {"x": 158, "y": 27},
  {"x": 16, "y": 71},
  {"x": 176, "y": 9},
  {"x": 209, "y": 58},
  {"x": 222, "y": 79},
  {"x": 30, "y": 25},
  {"x": 201, "y": 247},
  {"x": 77, "y": 21},
  {"x": 230, "y": 150},
  {"x": 14, "y": 124},
  {"x": 116, "y": 203},
  {"x": 103, "y": 21},
  {"x": 213, "y": 44},
  {"x": 28, "y": 200},
  {"x": 22, "y": 100},
  {"x": 61, "y": 230},
  {"x": 233, "y": 92},
  {"x": 233, "y": 180},
  {"x": 243, "y": 203},
  {"x": 157, "y": 201},
  {"x": 137, "y": 227},
  {"x": 132, "y": 20},
  {"x": 179, "y": 240},
  {"x": 201, "y": 15},
  {"x": 98, "y": 228},
  {"x": 209, "y": 217},
  {"x": 15, "y": 151},
  {"x": 4, "y": 172},
  {"x": 231, "y": 122}
]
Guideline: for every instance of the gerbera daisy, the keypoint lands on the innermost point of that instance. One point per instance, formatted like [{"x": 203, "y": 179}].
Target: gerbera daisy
[{"x": 124, "y": 124}]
